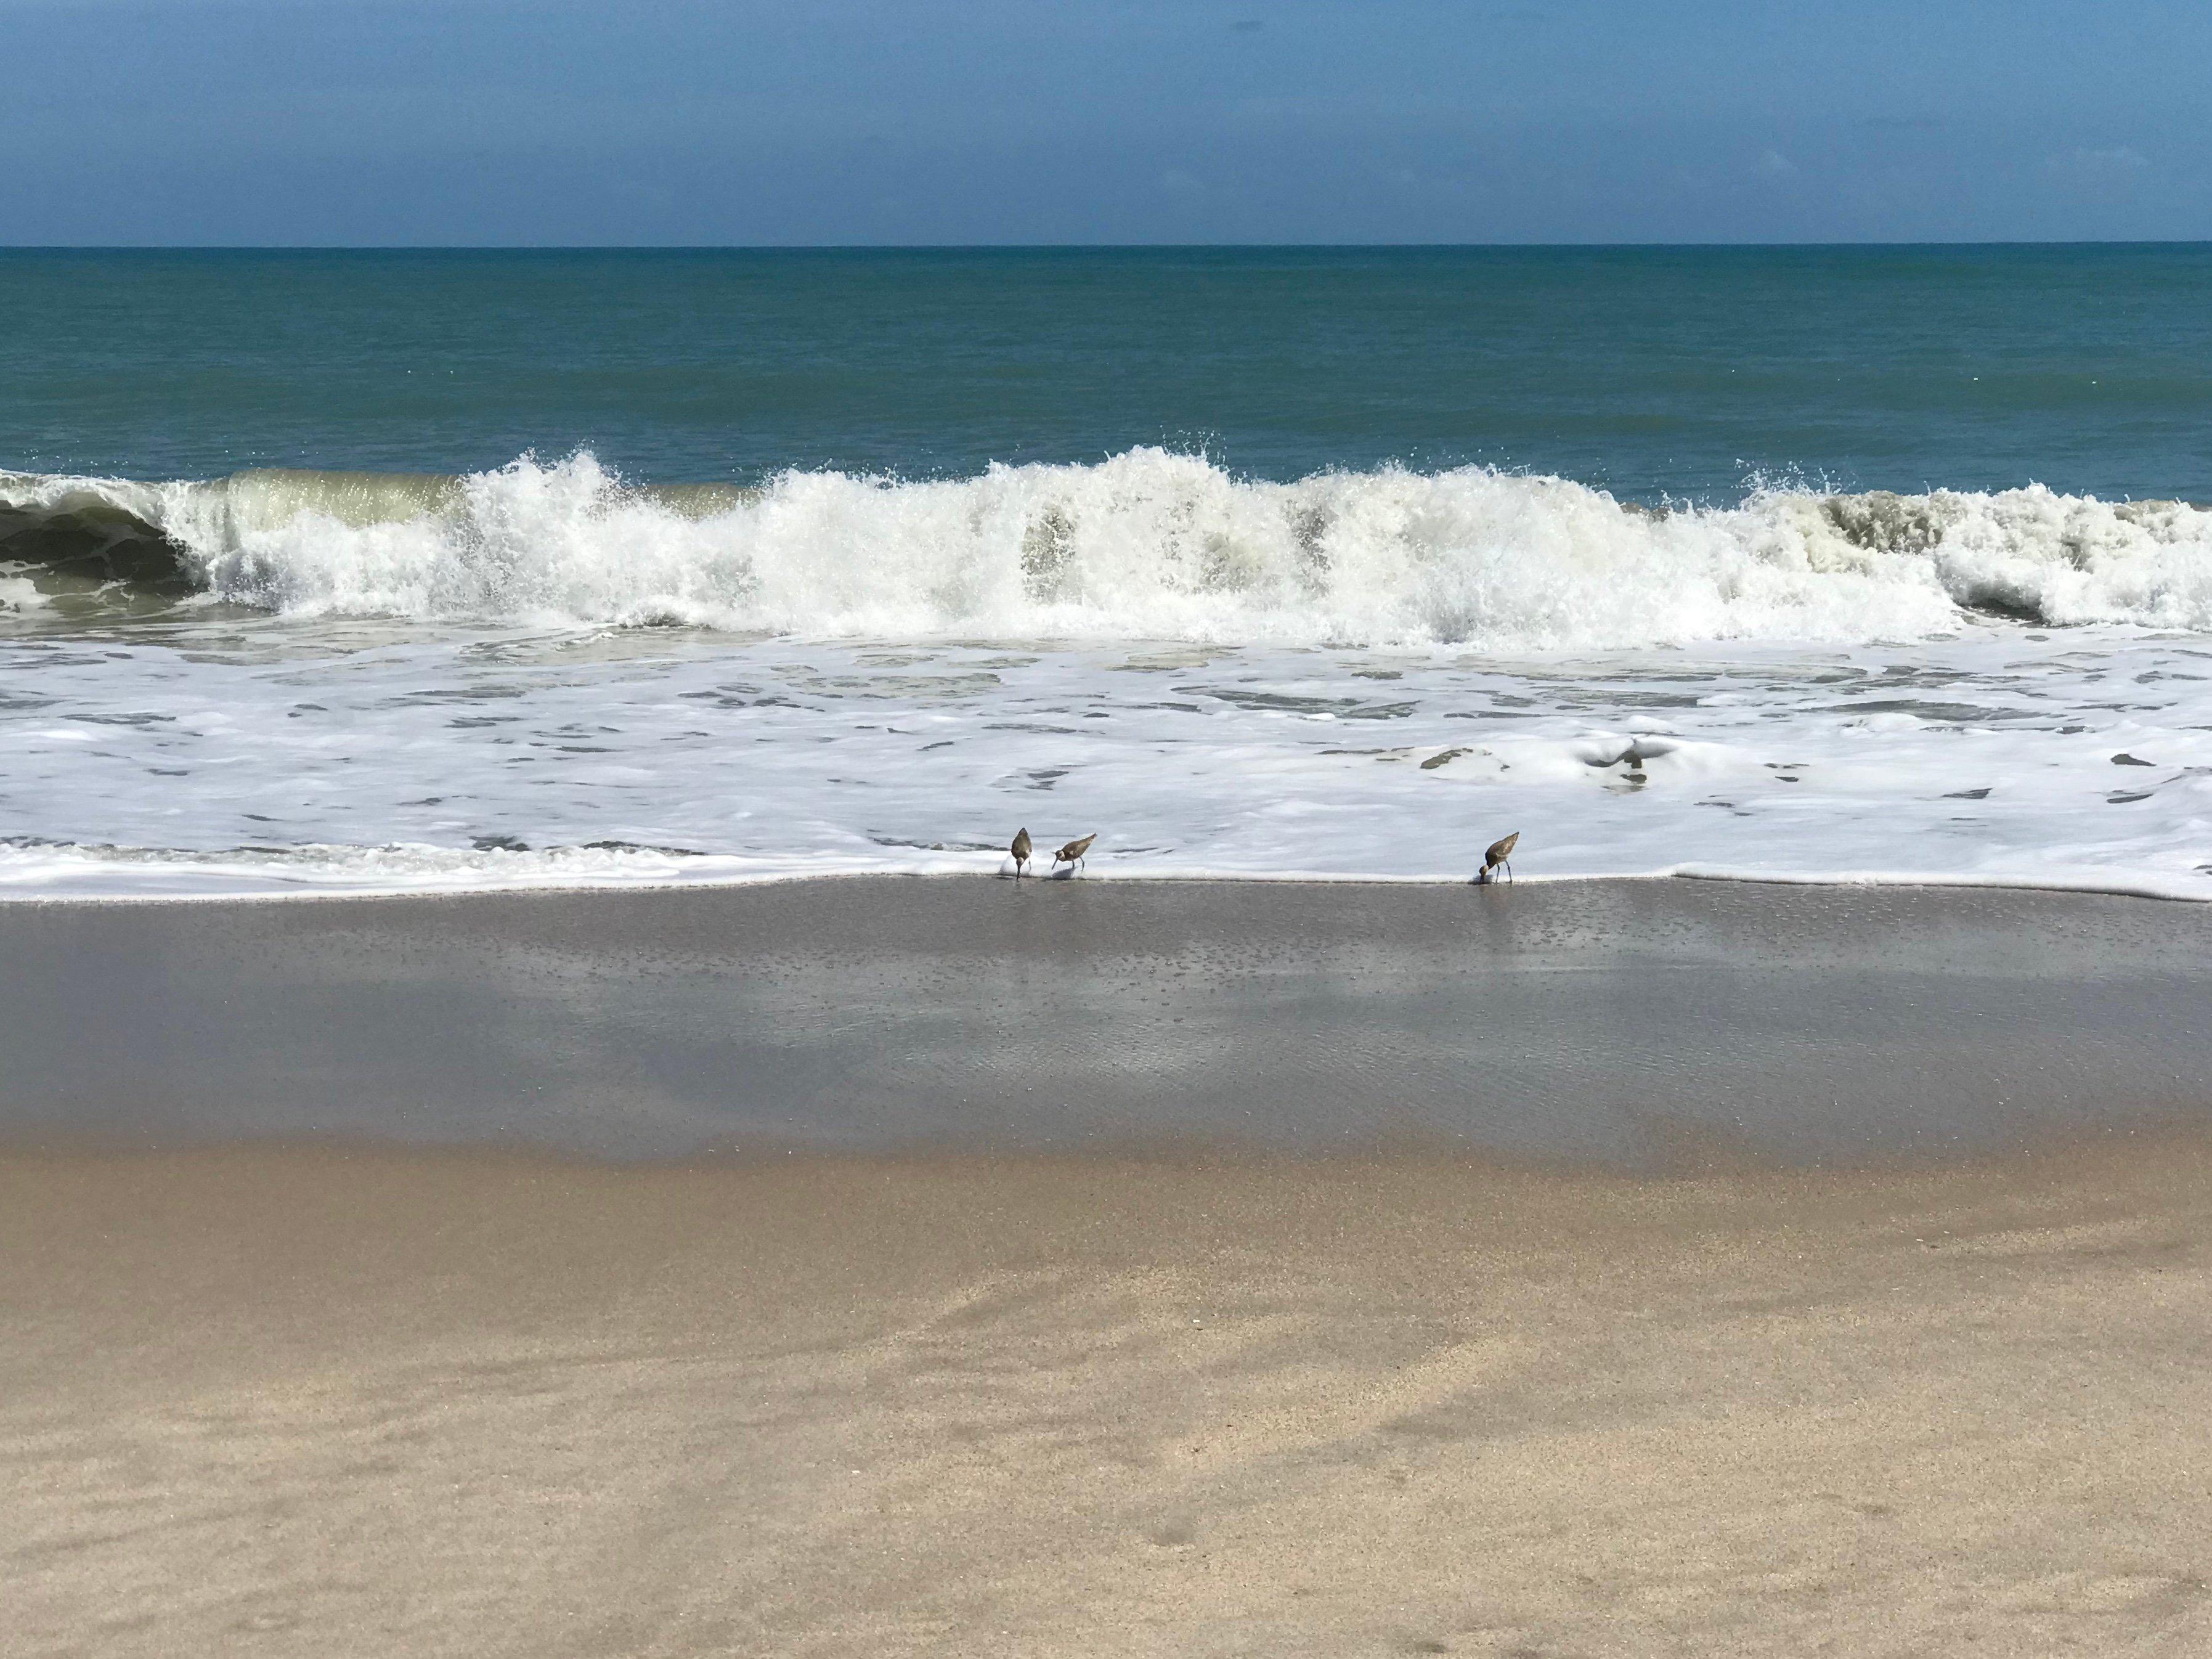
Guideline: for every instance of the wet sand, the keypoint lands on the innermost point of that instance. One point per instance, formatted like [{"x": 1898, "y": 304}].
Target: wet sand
[
  {"x": 309, "y": 1401},
  {"x": 1603, "y": 1020}
]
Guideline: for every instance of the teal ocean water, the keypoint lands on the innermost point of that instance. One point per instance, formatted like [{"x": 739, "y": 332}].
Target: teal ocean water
[
  {"x": 1649, "y": 373},
  {"x": 374, "y": 570}
]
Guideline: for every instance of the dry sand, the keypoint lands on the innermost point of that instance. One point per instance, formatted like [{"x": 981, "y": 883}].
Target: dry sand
[{"x": 271, "y": 1402}]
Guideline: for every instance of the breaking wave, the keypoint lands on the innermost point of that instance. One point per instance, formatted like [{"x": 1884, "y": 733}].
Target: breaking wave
[{"x": 1147, "y": 544}]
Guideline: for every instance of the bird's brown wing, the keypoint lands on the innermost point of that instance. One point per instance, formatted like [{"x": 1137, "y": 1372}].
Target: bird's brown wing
[
  {"x": 1501, "y": 850},
  {"x": 1021, "y": 847}
]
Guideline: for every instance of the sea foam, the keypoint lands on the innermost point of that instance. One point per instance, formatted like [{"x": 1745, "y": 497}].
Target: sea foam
[{"x": 211, "y": 763}]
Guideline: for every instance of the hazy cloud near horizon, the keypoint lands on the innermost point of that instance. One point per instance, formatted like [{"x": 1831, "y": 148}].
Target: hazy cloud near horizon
[{"x": 677, "y": 121}]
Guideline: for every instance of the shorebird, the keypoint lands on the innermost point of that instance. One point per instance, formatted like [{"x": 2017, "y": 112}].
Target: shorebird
[
  {"x": 1498, "y": 858},
  {"x": 1074, "y": 852},
  {"x": 1020, "y": 849}
]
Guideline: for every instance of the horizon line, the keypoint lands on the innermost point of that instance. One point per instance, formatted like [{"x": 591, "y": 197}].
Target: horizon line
[{"x": 1091, "y": 247}]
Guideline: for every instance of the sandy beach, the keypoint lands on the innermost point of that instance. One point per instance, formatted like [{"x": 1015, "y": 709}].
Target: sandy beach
[
  {"x": 888, "y": 1267},
  {"x": 314, "y": 1401}
]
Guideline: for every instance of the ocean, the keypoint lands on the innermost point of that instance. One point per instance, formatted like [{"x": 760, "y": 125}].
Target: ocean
[{"x": 383, "y": 571}]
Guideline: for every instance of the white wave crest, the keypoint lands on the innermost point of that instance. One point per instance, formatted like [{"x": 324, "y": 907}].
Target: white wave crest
[{"x": 1157, "y": 545}]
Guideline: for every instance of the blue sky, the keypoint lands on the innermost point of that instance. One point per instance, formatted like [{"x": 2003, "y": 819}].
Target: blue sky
[{"x": 859, "y": 121}]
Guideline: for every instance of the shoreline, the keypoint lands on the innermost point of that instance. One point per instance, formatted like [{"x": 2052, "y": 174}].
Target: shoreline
[
  {"x": 2174, "y": 890},
  {"x": 1609, "y": 1023}
]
